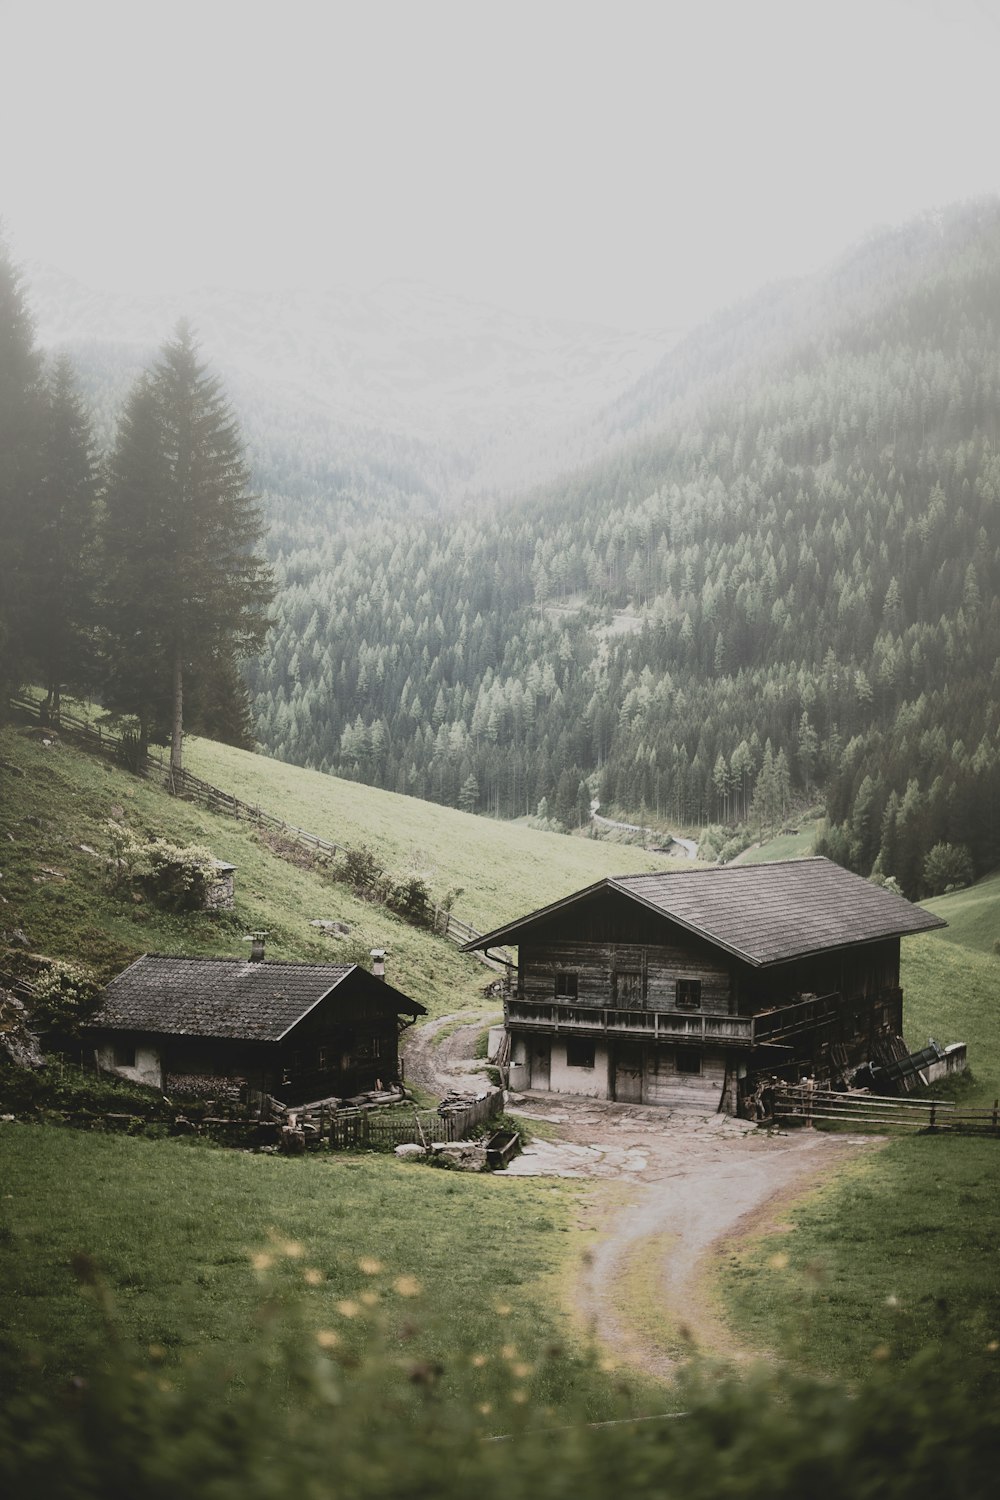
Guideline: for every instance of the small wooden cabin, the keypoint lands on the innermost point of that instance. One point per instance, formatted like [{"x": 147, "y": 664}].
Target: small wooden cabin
[
  {"x": 690, "y": 986},
  {"x": 297, "y": 1031}
]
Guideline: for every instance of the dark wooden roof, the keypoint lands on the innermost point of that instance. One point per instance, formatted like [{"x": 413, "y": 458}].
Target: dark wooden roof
[
  {"x": 229, "y": 997},
  {"x": 763, "y": 914}
]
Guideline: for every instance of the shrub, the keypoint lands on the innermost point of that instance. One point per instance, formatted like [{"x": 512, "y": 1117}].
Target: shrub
[
  {"x": 947, "y": 867},
  {"x": 63, "y": 996},
  {"x": 61, "y": 1086},
  {"x": 734, "y": 846},
  {"x": 176, "y": 878},
  {"x": 362, "y": 870},
  {"x": 410, "y": 899}
]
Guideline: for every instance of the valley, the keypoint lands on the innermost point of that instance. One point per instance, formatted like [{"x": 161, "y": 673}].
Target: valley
[
  {"x": 60, "y": 814},
  {"x": 738, "y": 586}
]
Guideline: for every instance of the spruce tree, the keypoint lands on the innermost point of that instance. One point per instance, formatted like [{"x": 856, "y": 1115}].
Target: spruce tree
[
  {"x": 60, "y": 566},
  {"x": 137, "y": 548},
  {"x": 189, "y": 592},
  {"x": 20, "y": 465}
]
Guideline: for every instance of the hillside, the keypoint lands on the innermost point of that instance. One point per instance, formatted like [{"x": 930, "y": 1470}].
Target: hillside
[
  {"x": 794, "y": 541},
  {"x": 54, "y": 838}
]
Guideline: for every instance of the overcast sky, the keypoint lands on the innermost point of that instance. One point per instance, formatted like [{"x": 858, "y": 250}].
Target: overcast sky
[{"x": 633, "y": 163}]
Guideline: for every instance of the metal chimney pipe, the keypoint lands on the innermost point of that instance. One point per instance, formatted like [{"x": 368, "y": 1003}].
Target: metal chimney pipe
[{"x": 378, "y": 962}]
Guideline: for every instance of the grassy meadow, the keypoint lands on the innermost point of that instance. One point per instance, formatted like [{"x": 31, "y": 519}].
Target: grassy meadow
[
  {"x": 192, "y": 1245},
  {"x": 170, "y": 1227},
  {"x": 899, "y": 1251},
  {"x": 55, "y": 891},
  {"x": 894, "y": 1253},
  {"x": 503, "y": 869}
]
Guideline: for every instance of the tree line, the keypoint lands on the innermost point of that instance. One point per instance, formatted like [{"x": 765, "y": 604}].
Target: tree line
[{"x": 135, "y": 576}]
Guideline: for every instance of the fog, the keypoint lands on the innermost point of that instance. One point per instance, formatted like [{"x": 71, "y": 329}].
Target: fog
[{"x": 637, "y": 164}]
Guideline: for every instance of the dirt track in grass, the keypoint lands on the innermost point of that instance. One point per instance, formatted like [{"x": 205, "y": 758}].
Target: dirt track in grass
[{"x": 672, "y": 1186}]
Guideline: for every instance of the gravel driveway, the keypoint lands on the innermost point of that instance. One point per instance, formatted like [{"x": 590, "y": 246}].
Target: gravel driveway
[{"x": 668, "y": 1188}]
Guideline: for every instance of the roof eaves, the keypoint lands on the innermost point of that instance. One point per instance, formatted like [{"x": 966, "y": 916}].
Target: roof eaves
[
  {"x": 689, "y": 926},
  {"x": 899, "y": 932},
  {"x": 318, "y": 1001},
  {"x": 500, "y": 934}
]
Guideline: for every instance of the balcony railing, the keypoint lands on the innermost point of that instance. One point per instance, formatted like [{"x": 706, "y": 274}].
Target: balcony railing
[
  {"x": 667, "y": 1025},
  {"x": 657, "y": 1025},
  {"x": 787, "y": 1020}
]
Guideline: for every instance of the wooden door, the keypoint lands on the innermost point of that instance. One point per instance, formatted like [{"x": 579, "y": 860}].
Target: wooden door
[
  {"x": 541, "y": 1057},
  {"x": 628, "y": 1073}
]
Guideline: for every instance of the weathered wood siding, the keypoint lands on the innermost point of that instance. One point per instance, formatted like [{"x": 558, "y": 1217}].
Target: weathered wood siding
[
  {"x": 869, "y": 970},
  {"x": 663, "y": 1084},
  {"x": 599, "y": 965}
]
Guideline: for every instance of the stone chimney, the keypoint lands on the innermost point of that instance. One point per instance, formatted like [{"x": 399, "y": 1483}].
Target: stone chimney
[
  {"x": 378, "y": 962},
  {"x": 256, "y": 941}
]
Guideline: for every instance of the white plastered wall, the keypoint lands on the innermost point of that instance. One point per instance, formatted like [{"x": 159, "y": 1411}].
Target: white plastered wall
[
  {"x": 592, "y": 1083},
  {"x": 148, "y": 1067}
]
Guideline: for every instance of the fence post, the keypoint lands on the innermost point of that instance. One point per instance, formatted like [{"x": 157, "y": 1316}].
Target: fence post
[
  {"x": 933, "y": 1115},
  {"x": 996, "y": 1108}
]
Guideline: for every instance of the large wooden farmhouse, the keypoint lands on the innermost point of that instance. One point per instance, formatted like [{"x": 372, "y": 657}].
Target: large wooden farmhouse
[
  {"x": 690, "y": 985},
  {"x": 297, "y": 1031}
]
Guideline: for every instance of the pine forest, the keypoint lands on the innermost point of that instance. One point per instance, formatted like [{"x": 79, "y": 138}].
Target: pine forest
[{"x": 779, "y": 585}]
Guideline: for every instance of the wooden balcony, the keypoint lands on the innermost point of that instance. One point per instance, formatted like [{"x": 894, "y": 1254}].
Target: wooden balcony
[
  {"x": 767, "y": 1027},
  {"x": 656, "y": 1025}
]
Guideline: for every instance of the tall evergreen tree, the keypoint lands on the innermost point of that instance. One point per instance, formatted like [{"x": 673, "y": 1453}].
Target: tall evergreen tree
[
  {"x": 60, "y": 567},
  {"x": 137, "y": 552},
  {"x": 189, "y": 592},
  {"x": 20, "y": 461}
]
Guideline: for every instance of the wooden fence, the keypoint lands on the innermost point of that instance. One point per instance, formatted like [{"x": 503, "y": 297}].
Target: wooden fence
[
  {"x": 802, "y": 1104},
  {"x": 360, "y": 1129},
  {"x": 91, "y": 735}
]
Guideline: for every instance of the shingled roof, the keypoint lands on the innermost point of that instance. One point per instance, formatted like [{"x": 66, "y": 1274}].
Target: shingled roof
[
  {"x": 763, "y": 914},
  {"x": 225, "y": 997}
]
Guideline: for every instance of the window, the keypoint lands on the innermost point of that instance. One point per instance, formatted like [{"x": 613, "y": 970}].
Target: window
[
  {"x": 628, "y": 988},
  {"x": 124, "y": 1055},
  {"x": 688, "y": 1061},
  {"x": 689, "y": 994},
  {"x": 324, "y": 1059},
  {"x": 376, "y": 1047},
  {"x": 579, "y": 1052},
  {"x": 566, "y": 986}
]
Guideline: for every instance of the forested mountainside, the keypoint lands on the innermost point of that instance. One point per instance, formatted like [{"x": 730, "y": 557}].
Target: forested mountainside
[{"x": 787, "y": 581}]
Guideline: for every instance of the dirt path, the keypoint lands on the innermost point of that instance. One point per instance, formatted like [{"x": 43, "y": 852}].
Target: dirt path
[
  {"x": 443, "y": 1063},
  {"x": 673, "y": 1185}
]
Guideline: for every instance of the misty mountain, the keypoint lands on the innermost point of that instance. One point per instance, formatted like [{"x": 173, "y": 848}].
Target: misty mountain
[
  {"x": 400, "y": 393},
  {"x": 783, "y": 577}
]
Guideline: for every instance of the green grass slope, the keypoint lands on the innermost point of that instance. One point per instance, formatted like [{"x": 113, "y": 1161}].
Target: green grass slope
[
  {"x": 232, "y": 1231},
  {"x": 54, "y": 845},
  {"x": 56, "y": 891},
  {"x": 785, "y": 846},
  {"x": 951, "y": 984},
  {"x": 973, "y": 915},
  {"x": 898, "y": 1252},
  {"x": 504, "y": 869}
]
